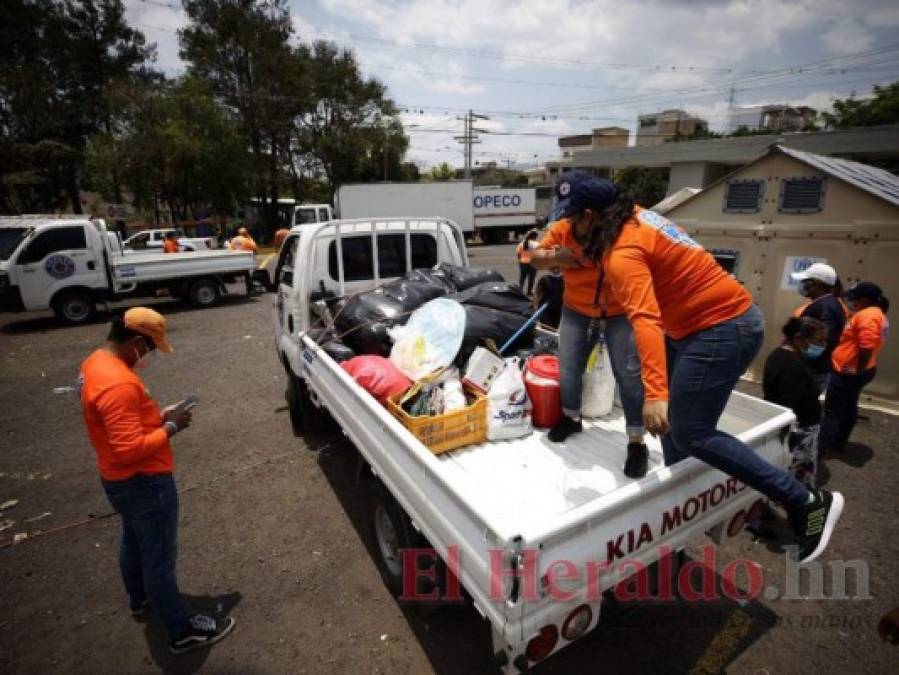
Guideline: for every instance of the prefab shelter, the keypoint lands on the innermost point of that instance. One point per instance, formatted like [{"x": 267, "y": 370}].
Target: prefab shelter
[{"x": 788, "y": 209}]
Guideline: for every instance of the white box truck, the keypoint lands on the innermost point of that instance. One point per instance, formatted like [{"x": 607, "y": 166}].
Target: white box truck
[
  {"x": 492, "y": 212},
  {"x": 499, "y": 212}
]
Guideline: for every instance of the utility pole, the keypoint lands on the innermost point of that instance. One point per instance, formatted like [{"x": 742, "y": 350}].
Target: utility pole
[
  {"x": 730, "y": 110},
  {"x": 468, "y": 137}
]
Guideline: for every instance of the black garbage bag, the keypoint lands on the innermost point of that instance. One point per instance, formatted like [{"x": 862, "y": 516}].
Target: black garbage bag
[
  {"x": 411, "y": 294},
  {"x": 483, "y": 322},
  {"x": 338, "y": 351},
  {"x": 497, "y": 295},
  {"x": 364, "y": 320},
  {"x": 464, "y": 278},
  {"x": 432, "y": 277}
]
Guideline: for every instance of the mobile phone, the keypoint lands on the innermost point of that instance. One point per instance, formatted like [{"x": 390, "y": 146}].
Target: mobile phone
[{"x": 187, "y": 404}]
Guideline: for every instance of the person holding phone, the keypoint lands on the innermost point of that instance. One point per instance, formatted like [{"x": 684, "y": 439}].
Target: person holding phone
[{"x": 132, "y": 440}]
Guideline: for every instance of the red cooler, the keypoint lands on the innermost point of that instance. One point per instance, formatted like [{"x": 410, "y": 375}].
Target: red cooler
[{"x": 542, "y": 382}]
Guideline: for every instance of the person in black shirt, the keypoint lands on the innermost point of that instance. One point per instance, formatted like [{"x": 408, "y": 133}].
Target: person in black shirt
[
  {"x": 789, "y": 381},
  {"x": 820, "y": 284}
]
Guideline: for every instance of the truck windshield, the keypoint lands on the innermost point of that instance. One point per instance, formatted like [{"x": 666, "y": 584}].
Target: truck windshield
[
  {"x": 10, "y": 237},
  {"x": 304, "y": 216}
]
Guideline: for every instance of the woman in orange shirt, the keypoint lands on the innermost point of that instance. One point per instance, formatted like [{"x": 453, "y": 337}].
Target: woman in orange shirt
[
  {"x": 527, "y": 273},
  {"x": 854, "y": 363},
  {"x": 697, "y": 331}
]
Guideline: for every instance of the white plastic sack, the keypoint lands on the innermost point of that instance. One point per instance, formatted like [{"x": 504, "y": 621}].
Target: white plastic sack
[
  {"x": 453, "y": 395},
  {"x": 598, "y": 397},
  {"x": 508, "y": 405},
  {"x": 430, "y": 339}
]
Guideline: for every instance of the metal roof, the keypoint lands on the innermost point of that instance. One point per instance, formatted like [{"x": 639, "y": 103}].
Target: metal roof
[{"x": 877, "y": 182}]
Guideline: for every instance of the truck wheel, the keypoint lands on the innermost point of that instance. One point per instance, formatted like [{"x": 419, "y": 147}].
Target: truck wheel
[
  {"x": 74, "y": 307},
  {"x": 392, "y": 533},
  {"x": 204, "y": 292},
  {"x": 295, "y": 396}
]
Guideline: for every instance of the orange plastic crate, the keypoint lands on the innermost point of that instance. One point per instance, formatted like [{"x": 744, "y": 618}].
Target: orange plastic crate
[{"x": 442, "y": 433}]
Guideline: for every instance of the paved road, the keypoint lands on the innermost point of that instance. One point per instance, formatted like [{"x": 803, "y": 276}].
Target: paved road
[{"x": 274, "y": 530}]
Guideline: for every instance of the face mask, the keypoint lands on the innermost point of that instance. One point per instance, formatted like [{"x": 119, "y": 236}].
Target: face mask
[
  {"x": 814, "y": 351},
  {"x": 804, "y": 290},
  {"x": 146, "y": 360}
]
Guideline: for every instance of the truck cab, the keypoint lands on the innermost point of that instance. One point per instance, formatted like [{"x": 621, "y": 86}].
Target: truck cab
[
  {"x": 42, "y": 258},
  {"x": 347, "y": 256},
  {"x": 306, "y": 214}
]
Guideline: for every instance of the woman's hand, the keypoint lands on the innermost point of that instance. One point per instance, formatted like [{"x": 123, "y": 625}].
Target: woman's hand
[{"x": 655, "y": 417}]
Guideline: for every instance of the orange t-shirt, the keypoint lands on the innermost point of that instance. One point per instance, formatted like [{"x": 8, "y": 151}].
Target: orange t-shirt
[
  {"x": 170, "y": 246},
  {"x": 668, "y": 284},
  {"x": 866, "y": 329},
  {"x": 525, "y": 253},
  {"x": 124, "y": 424},
  {"x": 243, "y": 243},
  {"x": 580, "y": 282},
  {"x": 280, "y": 236}
]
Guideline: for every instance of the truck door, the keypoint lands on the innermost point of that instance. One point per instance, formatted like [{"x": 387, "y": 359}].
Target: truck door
[
  {"x": 57, "y": 258},
  {"x": 285, "y": 297}
]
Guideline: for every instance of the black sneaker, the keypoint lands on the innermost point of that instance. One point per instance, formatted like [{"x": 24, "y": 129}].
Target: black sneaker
[
  {"x": 139, "y": 609},
  {"x": 564, "y": 429},
  {"x": 637, "y": 462},
  {"x": 202, "y": 631},
  {"x": 815, "y": 522}
]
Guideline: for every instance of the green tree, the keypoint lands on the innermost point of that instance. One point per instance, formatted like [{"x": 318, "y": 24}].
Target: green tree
[
  {"x": 242, "y": 49},
  {"x": 881, "y": 108},
  {"x": 442, "y": 171},
  {"x": 59, "y": 59},
  {"x": 646, "y": 185},
  {"x": 349, "y": 130},
  {"x": 503, "y": 177}
]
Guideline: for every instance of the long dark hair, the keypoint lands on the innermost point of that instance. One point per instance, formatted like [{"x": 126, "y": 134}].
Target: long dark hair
[{"x": 604, "y": 233}]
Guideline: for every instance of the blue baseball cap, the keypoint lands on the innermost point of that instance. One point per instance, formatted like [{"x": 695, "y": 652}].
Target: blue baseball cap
[
  {"x": 593, "y": 193},
  {"x": 568, "y": 181},
  {"x": 865, "y": 289}
]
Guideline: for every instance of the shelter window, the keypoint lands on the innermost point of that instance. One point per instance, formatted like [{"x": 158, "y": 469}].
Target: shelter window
[
  {"x": 743, "y": 196},
  {"x": 801, "y": 195}
]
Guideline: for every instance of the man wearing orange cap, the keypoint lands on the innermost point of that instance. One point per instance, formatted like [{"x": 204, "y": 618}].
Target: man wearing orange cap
[
  {"x": 243, "y": 241},
  {"x": 131, "y": 437}
]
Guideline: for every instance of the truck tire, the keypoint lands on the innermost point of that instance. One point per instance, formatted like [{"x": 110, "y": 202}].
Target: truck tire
[
  {"x": 204, "y": 292},
  {"x": 297, "y": 406},
  {"x": 392, "y": 532},
  {"x": 74, "y": 307}
]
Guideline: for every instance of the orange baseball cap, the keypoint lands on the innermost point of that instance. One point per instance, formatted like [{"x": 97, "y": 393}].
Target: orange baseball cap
[
  {"x": 148, "y": 322},
  {"x": 242, "y": 230}
]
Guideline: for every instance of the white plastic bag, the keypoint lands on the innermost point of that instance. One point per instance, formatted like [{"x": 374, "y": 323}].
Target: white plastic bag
[
  {"x": 430, "y": 340},
  {"x": 508, "y": 405},
  {"x": 598, "y": 397},
  {"x": 453, "y": 395}
]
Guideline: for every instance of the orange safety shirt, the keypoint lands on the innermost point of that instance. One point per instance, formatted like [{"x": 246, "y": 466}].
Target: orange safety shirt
[
  {"x": 170, "y": 246},
  {"x": 280, "y": 236},
  {"x": 243, "y": 243},
  {"x": 580, "y": 282},
  {"x": 668, "y": 284},
  {"x": 866, "y": 329},
  {"x": 525, "y": 253},
  {"x": 124, "y": 424}
]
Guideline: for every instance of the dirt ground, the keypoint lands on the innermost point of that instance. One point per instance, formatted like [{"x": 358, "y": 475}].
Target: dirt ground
[{"x": 275, "y": 532}]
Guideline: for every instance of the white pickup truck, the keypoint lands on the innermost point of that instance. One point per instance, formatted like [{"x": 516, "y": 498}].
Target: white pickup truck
[
  {"x": 521, "y": 506},
  {"x": 69, "y": 264},
  {"x": 153, "y": 240}
]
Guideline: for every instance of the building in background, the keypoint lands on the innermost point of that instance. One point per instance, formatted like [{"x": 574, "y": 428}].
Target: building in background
[
  {"x": 772, "y": 118},
  {"x": 603, "y": 137},
  {"x": 656, "y": 128}
]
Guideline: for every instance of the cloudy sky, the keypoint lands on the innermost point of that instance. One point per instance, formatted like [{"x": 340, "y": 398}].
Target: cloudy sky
[{"x": 543, "y": 68}]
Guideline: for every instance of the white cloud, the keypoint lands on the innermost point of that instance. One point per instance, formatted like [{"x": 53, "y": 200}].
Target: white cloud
[{"x": 159, "y": 24}]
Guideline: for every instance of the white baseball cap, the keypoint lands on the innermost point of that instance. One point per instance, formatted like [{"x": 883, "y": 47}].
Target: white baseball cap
[{"x": 818, "y": 271}]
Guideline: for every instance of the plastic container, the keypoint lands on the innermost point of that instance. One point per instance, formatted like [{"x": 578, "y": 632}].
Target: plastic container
[
  {"x": 442, "y": 433},
  {"x": 542, "y": 382}
]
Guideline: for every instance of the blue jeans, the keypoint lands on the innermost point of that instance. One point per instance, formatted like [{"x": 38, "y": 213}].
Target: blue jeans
[
  {"x": 148, "y": 506},
  {"x": 841, "y": 408},
  {"x": 575, "y": 346},
  {"x": 703, "y": 369}
]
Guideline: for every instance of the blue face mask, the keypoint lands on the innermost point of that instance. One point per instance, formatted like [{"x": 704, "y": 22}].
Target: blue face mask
[{"x": 814, "y": 351}]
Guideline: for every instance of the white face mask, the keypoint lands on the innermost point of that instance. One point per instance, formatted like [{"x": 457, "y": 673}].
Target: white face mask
[{"x": 146, "y": 360}]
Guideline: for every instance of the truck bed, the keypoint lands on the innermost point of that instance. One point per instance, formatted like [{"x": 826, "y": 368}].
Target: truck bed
[{"x": 154, "y": 266}]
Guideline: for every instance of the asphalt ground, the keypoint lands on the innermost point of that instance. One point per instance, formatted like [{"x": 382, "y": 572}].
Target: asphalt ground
[{"x": 274, "y": 530}]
